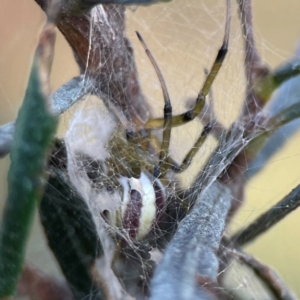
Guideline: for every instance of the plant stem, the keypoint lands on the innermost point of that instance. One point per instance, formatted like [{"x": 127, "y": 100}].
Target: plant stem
[{"x": 288, "y": 204}]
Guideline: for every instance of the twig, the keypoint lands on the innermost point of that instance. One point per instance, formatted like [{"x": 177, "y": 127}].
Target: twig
[
  {"x": 287, "y": 94},
  {"x": 265, "y": 86},
  {"x": 267, "y": 126},
  {"x": 254, "y": 68},
  {"x": 236, "y": 160},
  {"x": 280, "y": 210},
  {"x": 260, "y": 84},
  {"x": 252, "y": 58},
  {"x": 229, "y": 160},
  {"x": 266, "y": 275},
  {"x": 69, "y": 93},
  {"x": 191, "y": 257},
  {"x": 62, "y": 99},
  {"x": 104, "y": 55}
]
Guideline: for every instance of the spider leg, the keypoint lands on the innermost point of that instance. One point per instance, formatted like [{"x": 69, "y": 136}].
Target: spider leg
[
  {"x": 208, "y": 115},
  {"x": 189, "y": 157},
  {"x": 200, "y": 101},
  {"x": 155, "y": 144},
  {"x": 167, "y": 119},
  {"x": 191, "y": 154}
]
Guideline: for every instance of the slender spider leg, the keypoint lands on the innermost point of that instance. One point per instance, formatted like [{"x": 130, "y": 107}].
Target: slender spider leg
[
  {"x": 165, "y": 161},
  {"x": 167, "y": 120},
  {"x": 208, "y": 114},
  {"x": 191, "y": 154},
  {"x": 200, "y": 101},
  {"x": 154, "y": 142},
  {"x": 218, "y": 129}
]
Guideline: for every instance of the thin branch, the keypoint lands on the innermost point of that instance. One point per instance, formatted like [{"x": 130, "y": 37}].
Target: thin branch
[
  {"x": 191, "y": 255},
  {"x": 263, "y": 223},
  {"x": 267, "y": 126},
  {"x": 266, "y": 85},
  {"x": 252, "y": 58},
  {"x": 61, "y": 100},
  {"x": 254, "y": 68},
  {"x": 104, "y": 55},
  {"x": 289, "y": 90},
  {"x": 69, "y": 93},
  {"x": 260, "y": 84},
  {"x": 229, "y": 160},
  {"x": 265, "y": 274}
]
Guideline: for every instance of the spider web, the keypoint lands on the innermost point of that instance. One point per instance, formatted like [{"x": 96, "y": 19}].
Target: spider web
[
  {"x": 184, "y": 37},
  {"x": 184, "y": 40},
  {"x": 180, "y": 93}
]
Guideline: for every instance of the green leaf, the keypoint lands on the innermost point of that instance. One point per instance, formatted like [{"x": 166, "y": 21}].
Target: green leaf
[{"x": 35, "y": 127}]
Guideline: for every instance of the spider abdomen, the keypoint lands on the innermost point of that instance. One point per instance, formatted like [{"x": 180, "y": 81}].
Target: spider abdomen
[{"x": 142, "y": 203}]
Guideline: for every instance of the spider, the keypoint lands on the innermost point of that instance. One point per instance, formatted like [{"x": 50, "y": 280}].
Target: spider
[{"x": 142, "y": 181}]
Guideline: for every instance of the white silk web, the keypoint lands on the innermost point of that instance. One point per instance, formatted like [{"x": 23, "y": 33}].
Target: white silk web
[{"x": 184, "y": 39}]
